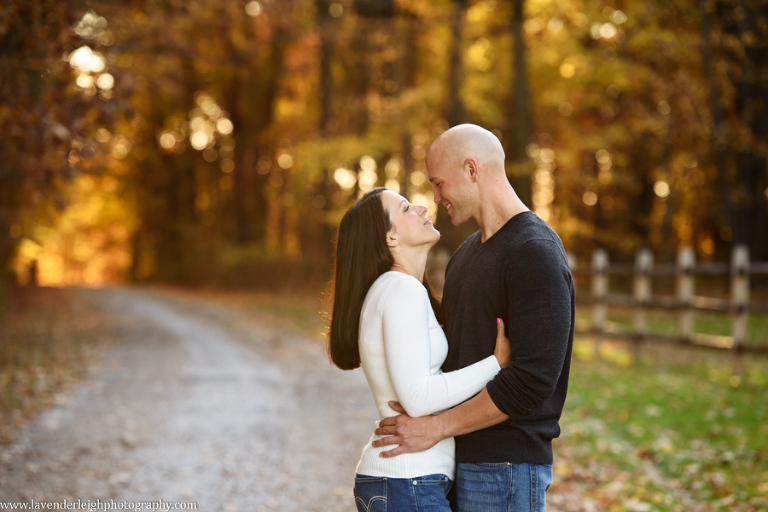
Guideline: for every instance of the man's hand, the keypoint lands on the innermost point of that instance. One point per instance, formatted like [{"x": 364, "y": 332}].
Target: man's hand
[{"x": 412, "y": 434}]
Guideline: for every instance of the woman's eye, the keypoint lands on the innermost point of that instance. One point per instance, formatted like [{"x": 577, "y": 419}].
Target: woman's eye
[{"x": 407, "y": 208}]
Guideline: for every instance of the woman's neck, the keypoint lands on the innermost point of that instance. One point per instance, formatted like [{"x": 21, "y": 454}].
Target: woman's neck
[{"x": 413, "y": 263}]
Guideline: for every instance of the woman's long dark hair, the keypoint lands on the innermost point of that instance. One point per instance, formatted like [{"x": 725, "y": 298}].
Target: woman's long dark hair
[{"x": 362, "y": 255}]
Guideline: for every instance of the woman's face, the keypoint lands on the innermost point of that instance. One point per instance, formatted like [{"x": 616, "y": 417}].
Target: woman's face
[{"x": 410, "y": 225}]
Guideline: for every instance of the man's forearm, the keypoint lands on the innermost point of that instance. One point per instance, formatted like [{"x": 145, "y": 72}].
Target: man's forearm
[
  {"x": 419, "y": 434},
  {"x": 476, "y": 413}
]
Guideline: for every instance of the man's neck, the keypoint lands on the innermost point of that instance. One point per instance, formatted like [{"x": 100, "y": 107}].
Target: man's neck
[{"x": 497, "y": 210}]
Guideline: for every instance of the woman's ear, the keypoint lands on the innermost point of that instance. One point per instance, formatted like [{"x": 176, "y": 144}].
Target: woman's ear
[{"x": 392, "y": 238}]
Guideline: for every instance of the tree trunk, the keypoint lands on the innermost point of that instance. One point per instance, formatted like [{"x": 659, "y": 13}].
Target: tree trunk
[
  {"x": 746, "y": 23},
  {"x": 405, "y": 74},
  {"x": 456, "y": 111},
  {"x": 327, "y": 186},
  {"x": 718, "y": 135},
  {"x": 521, "y": 129}
]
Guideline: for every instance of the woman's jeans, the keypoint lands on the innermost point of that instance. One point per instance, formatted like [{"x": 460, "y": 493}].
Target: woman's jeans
[
  {"x": 502, "y": 487},
  {"x": 420, "y": 494}
]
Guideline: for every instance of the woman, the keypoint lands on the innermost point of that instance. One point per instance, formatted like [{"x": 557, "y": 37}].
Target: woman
[{"x": 384, "y": 316}]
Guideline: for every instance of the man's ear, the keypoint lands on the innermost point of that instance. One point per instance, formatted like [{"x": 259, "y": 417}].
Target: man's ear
[{"x": 470, "y": 166}]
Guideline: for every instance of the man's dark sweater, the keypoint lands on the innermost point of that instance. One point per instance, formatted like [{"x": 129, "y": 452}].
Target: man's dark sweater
[{"x": 521, "y": 275}]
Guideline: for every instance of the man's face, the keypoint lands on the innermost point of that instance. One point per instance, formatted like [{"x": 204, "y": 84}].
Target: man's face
[{"x": 451, "y": 187}]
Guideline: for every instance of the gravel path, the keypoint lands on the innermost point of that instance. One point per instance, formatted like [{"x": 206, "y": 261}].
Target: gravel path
[{"x": 195, "y": 402}]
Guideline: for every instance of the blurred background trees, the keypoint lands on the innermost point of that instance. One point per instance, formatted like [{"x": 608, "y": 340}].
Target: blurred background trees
[{"x": 220, "y": 141}]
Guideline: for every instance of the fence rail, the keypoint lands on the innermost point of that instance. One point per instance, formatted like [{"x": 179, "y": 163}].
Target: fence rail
[{"x": 684, "y": 302}]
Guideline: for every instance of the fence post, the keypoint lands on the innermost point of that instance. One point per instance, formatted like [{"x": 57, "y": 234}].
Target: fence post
[
  {"x": 685, "y": 290},
  {"x": 641, "y": 295},
  {"x": 739, "y": 304},
  {"x": 599, "y": 292}
]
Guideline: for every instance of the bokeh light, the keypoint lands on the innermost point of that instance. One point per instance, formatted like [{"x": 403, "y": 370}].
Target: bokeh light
[
  {"x": 661, "y": 189},
  {"x": 167, "y": 140},
  {"x": 105, "y": 81},
  {"x": 366, "y": 179},
  {"x": 285, "y": 161},
  {"x": 224, "y": 126},
  {"x": 253, "y": 8},
  {"x": 336, "y": 10},
  {"x": 417, "y": 178},
  {"x": 86, "y": 60},
  {"x": 393, "y": 185},
  {"x": 345, "y": 178}
]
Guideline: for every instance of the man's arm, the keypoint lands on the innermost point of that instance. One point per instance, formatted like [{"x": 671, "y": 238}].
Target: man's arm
[
  {"x": 419, "y": 434},
  {"x": 539, "y": 298}
]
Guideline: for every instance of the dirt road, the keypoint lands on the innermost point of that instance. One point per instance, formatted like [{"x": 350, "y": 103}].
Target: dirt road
[{"x": 195, "y": 402}]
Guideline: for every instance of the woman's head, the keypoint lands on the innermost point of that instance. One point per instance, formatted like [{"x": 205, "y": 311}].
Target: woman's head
[{"x": 376, "y": 230}]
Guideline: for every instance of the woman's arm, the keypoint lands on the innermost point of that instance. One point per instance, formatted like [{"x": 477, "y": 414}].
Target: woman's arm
[{"x": 405, "y": 313}]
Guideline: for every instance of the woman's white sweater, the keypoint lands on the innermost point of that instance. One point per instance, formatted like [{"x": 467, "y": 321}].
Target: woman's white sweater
[{"x": 402, "y": 348}]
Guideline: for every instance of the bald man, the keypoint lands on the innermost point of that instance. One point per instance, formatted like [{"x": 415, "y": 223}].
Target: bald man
[{"x": 514, "y": 268}]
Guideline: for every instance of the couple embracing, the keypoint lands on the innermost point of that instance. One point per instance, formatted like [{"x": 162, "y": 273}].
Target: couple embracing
[{"x": 469, "y": 391}]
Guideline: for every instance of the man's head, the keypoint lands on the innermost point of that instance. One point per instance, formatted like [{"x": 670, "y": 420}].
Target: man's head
[{"x": 462, "y": 163}]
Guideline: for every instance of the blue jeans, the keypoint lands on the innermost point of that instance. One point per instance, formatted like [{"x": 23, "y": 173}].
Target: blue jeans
[
  {"x": 420, "y": 494},
  {"x": 502, "y": 487}
]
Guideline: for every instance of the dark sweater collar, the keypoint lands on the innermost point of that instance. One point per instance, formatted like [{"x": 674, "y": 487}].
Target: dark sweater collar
[{"x": 509, "y": 225}]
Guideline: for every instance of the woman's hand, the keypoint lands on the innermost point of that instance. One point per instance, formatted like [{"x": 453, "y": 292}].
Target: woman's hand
[{"x": 503, "y": 351}]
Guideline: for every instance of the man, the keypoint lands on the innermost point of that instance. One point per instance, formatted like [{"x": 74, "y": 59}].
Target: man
[{"x": 514, "y": 268}]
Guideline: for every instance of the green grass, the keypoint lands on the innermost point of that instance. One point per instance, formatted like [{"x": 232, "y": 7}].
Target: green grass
[{"x": 681, "y": 436}]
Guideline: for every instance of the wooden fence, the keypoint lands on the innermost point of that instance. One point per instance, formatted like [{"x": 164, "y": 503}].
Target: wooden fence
[{"x": 684, "y": 302}]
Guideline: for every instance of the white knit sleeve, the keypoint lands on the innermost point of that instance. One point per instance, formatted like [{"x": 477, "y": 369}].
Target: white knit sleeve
[{"x": 405, "y": 312}]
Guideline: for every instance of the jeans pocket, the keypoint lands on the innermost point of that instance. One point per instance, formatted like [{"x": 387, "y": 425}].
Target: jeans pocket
[
  {"x": 484, "y": 487},
  {"x": 541, "y": 480},
  {"x": 370, "y": 493},
  {"x": 493, "y": 465},
  {"x": 431, "y": 493},
  {"x": 437, "y": 479}
]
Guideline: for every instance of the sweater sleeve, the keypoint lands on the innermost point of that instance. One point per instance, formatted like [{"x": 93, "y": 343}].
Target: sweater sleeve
[
  {"x": 406, "y": 312},
  {"x": 539, "y": 295}
]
